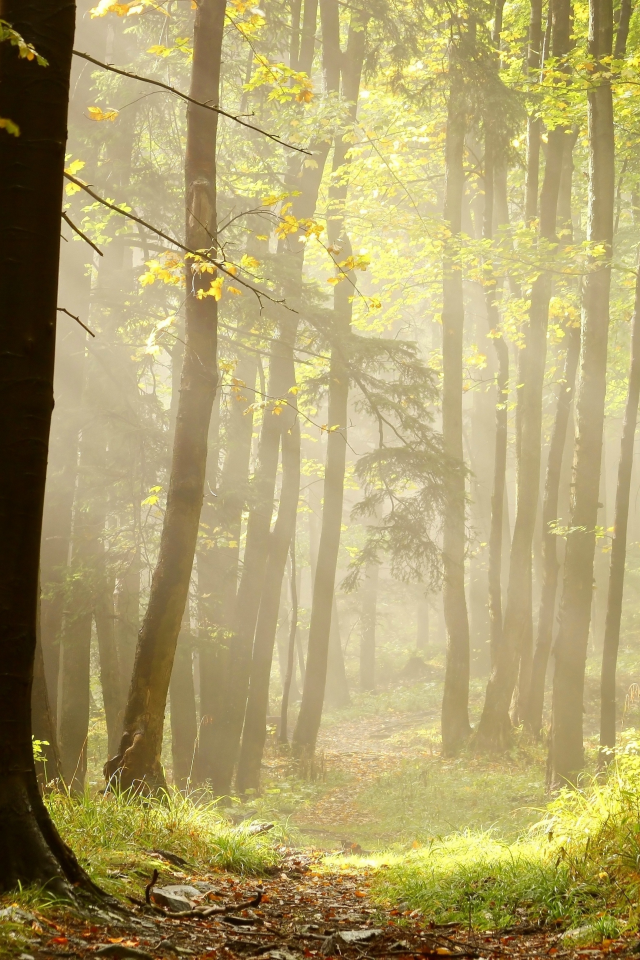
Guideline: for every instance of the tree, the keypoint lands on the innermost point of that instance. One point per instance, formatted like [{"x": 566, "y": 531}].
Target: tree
[
  {"x": 619, "y": 545},
  {"x": 138, "y": 759},
  {"x": 566, "y": 746},
  {"x": 35, "y": 99},
  {"x": 495, "y": 726},
  {"x": 322, "y": 611},
  {"x": 455, "y": 700}
]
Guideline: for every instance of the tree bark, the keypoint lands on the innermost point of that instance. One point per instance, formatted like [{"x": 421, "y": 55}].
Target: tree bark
[
  {"x": 619, "y": 547},
  {"x": 255, "y": 721},
  {"x": 31, "y": 177},
  {"x": 138, "y": 760},
  {"x": 455, "y": 701},
  {"x": 566, "y": 748},
  {"x": 283, "y": 729}
]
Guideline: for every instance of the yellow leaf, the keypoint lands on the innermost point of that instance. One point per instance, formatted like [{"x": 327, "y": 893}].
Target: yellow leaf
[
  {"x": 234, "y": 290},
  {"x": 96, "y": 113},
  {"x": 74, "y": 167},
  {"x": 249, "y": 262},
  {"x": 9, "y": 126}
]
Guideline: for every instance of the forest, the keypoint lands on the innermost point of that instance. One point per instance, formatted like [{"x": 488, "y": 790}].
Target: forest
[{"x": 319, "y": 521}]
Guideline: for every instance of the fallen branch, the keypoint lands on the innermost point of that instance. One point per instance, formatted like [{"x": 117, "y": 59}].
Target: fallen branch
[{"x": 188, "y": 99}]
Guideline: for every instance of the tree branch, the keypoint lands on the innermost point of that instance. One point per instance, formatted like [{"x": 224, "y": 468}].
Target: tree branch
[
  {"x": 77, "y": 319},
  {"x": 81, "y": 234},
  {"x": 188, "y": 99},
  {"x": 196, "y": 253}
]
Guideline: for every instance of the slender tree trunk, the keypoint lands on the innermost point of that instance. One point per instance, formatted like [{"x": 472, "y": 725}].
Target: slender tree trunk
[
  {"x": 351, "y": 63},
  {"x": 368, "y": 628},
  {"x": 184, "y": 723},
  {"x": 455, "y": 701},
  {"x": 218, "y": 563},
  {"x": 255, "y": 722},
  {"x": 226, "y": 734},
  {"x": 110, "y": 674},
  {"x": 336, "y": 691},
  {"x": 283, "y": 729},
  {"x": 494, "y": 729},
  {"x": 619, "y": 547},
  {"x": 31, "y": 174},
  {"x": 138, "y": 760},
  {"x": 566, "y": 749}
]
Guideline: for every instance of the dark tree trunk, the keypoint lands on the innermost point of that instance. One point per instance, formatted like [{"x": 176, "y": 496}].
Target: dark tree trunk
[
  {"x": 619, "y": 547},
  {"x": 350, "y": 64},
  {"x": 255, "y": 721},
  {"x": 110, "y": 676},
  {"x": 43, "y": 725},
  {"x": 138, "y": 760},
  {"x": 494, "y": 729},
  {"x": 368, "y": 628},
  {"x": 31, "y": 176},
  {"x": 534, "y": 124},
  {"x": 63, "y": 459},
  {"x": 566, "y": 749},
  {"x": 455, "y": 701}
]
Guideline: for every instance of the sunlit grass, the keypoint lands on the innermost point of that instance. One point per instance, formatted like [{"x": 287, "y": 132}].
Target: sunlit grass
[
  {"x": 113, "y": 834},
  {"x": 579, "y": 867}
]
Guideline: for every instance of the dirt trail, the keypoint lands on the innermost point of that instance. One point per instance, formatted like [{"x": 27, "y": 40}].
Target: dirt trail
[
  {"x": 304, "y": 912},
  {"x": 361, "y": 750}
]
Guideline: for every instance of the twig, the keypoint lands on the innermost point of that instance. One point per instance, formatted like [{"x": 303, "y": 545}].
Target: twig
[
  {"x": 196, "y": 253},
  {"x": 81, "y": 234},
  {"x": 149, "y": 887},
  {"x": 77, "y": 319},
  {"x": 188, "y": 99}
]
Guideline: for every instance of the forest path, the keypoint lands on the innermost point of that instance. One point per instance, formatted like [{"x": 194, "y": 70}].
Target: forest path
[
  {"x": 305, "y": 911},
  {"x": 356, "y": 753}
]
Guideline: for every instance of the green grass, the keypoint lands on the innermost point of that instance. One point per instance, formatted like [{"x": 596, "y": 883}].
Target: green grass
[
  {"x": 110, "y": 834},
  {"x": 430, "y": 798},
  {"x": 579, "y": 867}
]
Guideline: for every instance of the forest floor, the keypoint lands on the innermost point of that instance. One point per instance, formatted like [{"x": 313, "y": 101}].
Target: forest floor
[{"x": 385, "y": 850}]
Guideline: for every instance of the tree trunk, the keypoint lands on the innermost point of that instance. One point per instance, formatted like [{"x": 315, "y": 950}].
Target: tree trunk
[
  {"x": 255, "y": 721},
  {"x": 368, "y": 628},
  {"x": 619, "y": 547},
  {"x": 350, "y": 64},
  {"x": 283, "y": 729},
  {"x": 336, "y": 691},
  {"x": 31, "y": 174},
  {"x": 184, "y": 723},
  {"x": 43, "y": 726},
  {"x": 455, "y": 701},
  {"x": 138, "y": 760},
  {"x": 494, "y": 729},
  {"x": 566, "y": 749},
  {"x": 218, "y": 563}
]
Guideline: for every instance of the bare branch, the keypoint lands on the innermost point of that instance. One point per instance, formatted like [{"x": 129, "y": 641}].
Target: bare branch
[
  {"x": 188, "y": 99},
  {"x": 81, "y": 234},
  {"x": 77, "y": 319}
]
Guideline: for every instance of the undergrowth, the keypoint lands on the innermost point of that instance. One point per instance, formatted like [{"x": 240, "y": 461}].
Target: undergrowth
[
  {"x": 114, "y": 835},
  {"x": 579, "y": 867}
]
